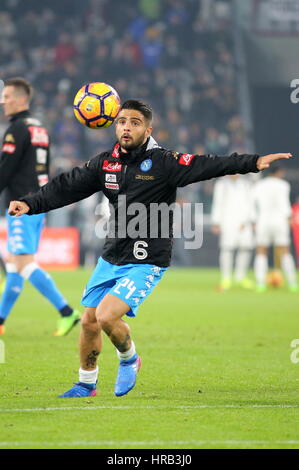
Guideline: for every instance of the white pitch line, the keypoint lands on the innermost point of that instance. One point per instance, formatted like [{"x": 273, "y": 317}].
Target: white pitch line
[
  {"x": 146, "y": 407},
  {"x": 117, "y": 444}
]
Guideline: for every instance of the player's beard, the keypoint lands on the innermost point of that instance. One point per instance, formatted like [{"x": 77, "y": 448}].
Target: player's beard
[{"x": 133, "y": 144}]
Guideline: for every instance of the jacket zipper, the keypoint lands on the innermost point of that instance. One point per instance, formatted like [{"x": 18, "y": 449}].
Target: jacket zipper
[{"x": 116, "y": 241}]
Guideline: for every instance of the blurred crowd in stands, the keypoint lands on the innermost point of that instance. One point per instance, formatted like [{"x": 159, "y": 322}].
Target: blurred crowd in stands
[{"x": 178, "y": 55}]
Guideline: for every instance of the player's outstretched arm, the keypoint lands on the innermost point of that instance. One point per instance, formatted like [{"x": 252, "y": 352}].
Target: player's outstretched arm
[
  {"x": 18, "y": 208},
  {"x": 264, "y": 162},
  {"x": 183, "y": 168},
  {"x": 65, "y": 189}
]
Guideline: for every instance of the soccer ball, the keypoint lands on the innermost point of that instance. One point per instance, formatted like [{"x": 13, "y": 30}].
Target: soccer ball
[
  {"x": 275, "y": 279},
  {"x": 96, "y": 105}
]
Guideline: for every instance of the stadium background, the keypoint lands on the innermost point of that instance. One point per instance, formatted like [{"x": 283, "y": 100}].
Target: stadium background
[{"x": 216, "y": 72}]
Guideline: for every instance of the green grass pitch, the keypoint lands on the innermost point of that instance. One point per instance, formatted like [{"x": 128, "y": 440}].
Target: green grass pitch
[{"x": 216, "y": 372}]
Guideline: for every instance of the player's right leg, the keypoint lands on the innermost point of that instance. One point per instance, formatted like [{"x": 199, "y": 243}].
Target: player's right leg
[
  {"x": 109, "y": 315},
  {"x": 90, "y": 348},
  {"x": 12, "y": 289},
  {"x": 91, "y": 334}
]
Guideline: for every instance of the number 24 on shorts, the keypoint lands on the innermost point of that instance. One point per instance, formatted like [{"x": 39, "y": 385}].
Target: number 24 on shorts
[{"x": 128, "y": 284}]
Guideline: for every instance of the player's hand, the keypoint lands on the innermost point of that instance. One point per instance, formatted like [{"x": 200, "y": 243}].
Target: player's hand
[
  {"x": 264, "y": 162},
  {"x": 18, "y": 208}
]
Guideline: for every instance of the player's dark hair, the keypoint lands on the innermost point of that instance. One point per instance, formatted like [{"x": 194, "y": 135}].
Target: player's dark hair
[
  {"x": 143, "y": 108},
  {"x": 20, "y": 84}
]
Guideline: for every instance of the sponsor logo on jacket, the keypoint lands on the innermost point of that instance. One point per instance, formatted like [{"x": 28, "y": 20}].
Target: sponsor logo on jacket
[
  {"x": 186, "y": 159},
  {"x": 111, "y": 186},
  {"x": 39, "y": 136},
  {"x": 144, "y": 177},
  {"x": 9, "y": 138},
  {"x": 8, "y": 148},
  {"x": 110, "y": 178},
  {"x": 111, "y": 166}
]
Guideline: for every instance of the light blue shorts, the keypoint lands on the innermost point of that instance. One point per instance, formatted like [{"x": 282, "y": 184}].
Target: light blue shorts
[
  {"x": 24, "y": 233},
  {"x": 132, "y": 283}
]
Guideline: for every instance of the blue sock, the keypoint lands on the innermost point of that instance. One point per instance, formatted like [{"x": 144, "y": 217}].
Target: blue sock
[
  {"x": 13, "y": 287},
  {"x": 43, "y": 282}
]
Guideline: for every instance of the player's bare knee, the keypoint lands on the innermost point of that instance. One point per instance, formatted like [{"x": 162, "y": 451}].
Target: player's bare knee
[
  {"x": 89, "y": 323},
  {"x": 106, "y": 320},
  {"x": 105, "y": 323}
]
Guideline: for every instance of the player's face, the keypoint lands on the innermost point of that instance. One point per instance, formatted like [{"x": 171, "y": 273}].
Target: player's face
[
  {"x": 12, "y": 101},
  {"x": 132, "y": 129}
]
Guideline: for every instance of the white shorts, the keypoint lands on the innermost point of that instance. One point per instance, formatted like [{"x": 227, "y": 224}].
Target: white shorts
[
  {"x": 231, "y": 239},
  {"x": 273, "y": 234}
]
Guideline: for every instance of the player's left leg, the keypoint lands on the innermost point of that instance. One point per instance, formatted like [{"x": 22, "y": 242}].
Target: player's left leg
[
  {"x": 44, "y": 283},
  {"x": 109, "y": 315}
]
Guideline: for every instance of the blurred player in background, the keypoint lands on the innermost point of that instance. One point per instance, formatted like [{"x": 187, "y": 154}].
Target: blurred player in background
[
  {"x": 271, "y": 201},
  {"x": 231, "y": 220},
  {"x": 131, "y": 265},
  {"x": 24, "y": 164}
]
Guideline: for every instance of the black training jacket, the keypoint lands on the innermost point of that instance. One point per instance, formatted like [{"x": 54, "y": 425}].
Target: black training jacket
[
  {"x": 147, "y": 175},
  {"x": 24, "y": 158}
]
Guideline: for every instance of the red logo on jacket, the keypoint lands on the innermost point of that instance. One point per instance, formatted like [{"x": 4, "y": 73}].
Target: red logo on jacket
[
  {"x": 186, "y": 158},
  {"x": 8, "y": 148},
  {"x": 111, "y": 166},
  {"x": 115, "y": 152},
  {"x": 39, "y": 136}
]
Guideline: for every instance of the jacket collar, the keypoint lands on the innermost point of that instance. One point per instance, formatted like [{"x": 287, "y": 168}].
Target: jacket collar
[
  {"x": 135, "y": 154},
  {"x": 21, "y": 114}
]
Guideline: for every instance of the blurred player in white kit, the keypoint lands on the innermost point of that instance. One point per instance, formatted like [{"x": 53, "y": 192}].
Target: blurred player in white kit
[
  {"x": 231, "y": 220},
  {"x": 271, "y": 200}
]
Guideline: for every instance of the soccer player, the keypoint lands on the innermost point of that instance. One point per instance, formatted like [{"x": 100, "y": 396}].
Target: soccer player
[
  {"x": 271, "y": 199},
  {"x": 135, "y": 170},
  {"x": 24, "y": 162},
  {"x": 231, "y": 220}
]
